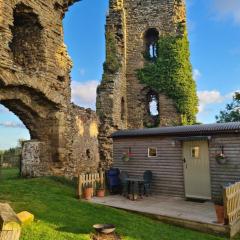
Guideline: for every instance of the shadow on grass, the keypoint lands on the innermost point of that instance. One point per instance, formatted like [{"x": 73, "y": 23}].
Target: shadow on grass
[
  {"x": 71, "y": 229},
  {"x": 52, "y": 201}
]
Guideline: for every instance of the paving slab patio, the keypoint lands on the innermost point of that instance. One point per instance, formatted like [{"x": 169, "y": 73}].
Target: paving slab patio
[{"x": 164, "y": 206}]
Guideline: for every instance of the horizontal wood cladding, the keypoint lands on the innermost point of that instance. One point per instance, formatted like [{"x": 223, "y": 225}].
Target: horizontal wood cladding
[
  {"x": 167, "y": 167},
  {"x": 230, "y": 171}
]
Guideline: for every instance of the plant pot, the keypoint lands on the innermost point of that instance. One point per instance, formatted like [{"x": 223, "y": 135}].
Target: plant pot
[
  {"x": 221, "y": 160},
  {"x": 101, "y": 193},
  {"x": 88, "y": 192},
  {"x": 125, "y": 159},
  {"x": 220, "y": 214}
]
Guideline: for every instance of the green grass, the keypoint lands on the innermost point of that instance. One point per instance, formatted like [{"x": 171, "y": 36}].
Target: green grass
[{"x": 59, "y": 216}]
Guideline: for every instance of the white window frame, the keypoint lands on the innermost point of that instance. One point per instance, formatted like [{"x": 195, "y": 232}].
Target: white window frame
[{"x": 149, "y": 152}]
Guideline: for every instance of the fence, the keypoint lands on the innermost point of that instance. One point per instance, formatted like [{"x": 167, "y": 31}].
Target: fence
[
  {"x": 232, "y": 203},
  {"x": 10, "y": 160},
  {"x": 92, "y": 179}
]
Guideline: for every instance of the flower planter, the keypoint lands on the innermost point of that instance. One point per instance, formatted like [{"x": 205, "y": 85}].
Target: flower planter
[
  {"x": 220, "y": 214},
  {"x": 101, "y": 193},
  {"x": 88, "y": 192},
  {"x": 221, "y": 160}
]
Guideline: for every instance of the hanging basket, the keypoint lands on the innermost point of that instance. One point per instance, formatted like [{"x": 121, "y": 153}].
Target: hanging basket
[
  {"x": 221, "y": 159},
  {"x": 125, "y": 158}
]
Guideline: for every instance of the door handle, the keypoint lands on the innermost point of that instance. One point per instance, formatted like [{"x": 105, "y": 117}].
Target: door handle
[{"x": 184, "y": 160}]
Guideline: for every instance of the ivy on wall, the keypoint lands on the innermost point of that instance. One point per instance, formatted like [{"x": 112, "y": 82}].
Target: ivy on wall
[
  {"x": 171, "y": 73},
  {"x": 112, "y": 63}
]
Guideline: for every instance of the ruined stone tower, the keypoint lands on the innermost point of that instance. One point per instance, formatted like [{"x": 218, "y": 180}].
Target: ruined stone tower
[{"x": 133, "y": 30}]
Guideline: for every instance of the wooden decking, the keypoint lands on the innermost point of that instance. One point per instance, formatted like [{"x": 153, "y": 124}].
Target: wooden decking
[{"x": 173, "y": 210}]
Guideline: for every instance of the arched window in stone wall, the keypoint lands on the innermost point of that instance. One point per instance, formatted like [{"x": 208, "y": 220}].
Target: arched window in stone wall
[
  {"x": 151, "y": 41},
  {"x": 152, "y": 108},
  {"x": 27, "y": 42},
  {"x": 123, "y": 109}
]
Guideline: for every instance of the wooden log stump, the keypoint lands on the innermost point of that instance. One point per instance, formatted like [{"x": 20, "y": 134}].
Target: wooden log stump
[
  {"x": 10, "y": 226},
  {"x": 101, "y": 236}
]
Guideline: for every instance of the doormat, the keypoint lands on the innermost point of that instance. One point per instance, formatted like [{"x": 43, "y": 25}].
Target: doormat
[
  {"x": 196, "y": 200},
  {"x": 99, "y": 236}
]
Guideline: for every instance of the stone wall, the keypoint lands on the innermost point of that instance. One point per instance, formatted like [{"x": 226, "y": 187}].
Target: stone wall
[
  {"x": 84, "y": 134},
  {"x": 35, "y": 79},
  {"x": 34, "y": 71},
  {"x": 34, "y": 160},
  {"x": 83, "y": 155},
  {"x": 122, "y": 100},
  {"x": 35, "y": 85},
  {"x": 113, "y": 89}
]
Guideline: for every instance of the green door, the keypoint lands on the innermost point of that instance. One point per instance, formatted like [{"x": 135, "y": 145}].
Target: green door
[{"x": 196, "y": 170}]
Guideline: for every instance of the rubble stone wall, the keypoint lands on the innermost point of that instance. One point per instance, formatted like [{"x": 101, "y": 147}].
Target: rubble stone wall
[
  {"x": 84, "y": 157},
  {"x": 35, "y": 85},
  {"x": 34, "y": 159}
]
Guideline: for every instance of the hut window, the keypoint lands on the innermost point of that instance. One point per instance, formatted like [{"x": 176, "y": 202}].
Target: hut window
[
  {"x": 152, "y": 152},
  {"x": 195, "y": 152},
  {"x": 151, "y": 41}
]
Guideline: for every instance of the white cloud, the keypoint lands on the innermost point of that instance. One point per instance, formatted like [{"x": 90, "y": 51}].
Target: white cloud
[
  {"x": 196, "y": 74},
  {"x": 84, "y": 94},
  {"x": 207, "y": 98},
  {"x": 9, "y": 124},
  {"x": 228, "y": 8}
]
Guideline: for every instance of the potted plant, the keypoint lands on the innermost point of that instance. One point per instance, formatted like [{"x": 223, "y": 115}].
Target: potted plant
[
  {"x": 220, "y": 157},
  {"x": 127, "y": 155},
  {"x": 219, "y": 208},
  {"x": 100, "y": 190},
  {"x": 88, "y": 191}
]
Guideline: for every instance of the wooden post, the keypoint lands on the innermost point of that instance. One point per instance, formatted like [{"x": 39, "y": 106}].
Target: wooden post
[
  {"x": 90, "y": 179},
  {"x": 10, "y": 226},
  {"x": 79, "y": 189},
  {"x": 1, "y": 164},
  {"x": 101, "y": 173},
  {"x": 225, "y": 203}
]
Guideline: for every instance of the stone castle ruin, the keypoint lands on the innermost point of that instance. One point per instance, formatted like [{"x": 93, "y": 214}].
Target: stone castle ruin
[
  {"x": 133, "y": 30},
  {"x": 35, "y": 81},
  {"x": 35, "y": 85}
]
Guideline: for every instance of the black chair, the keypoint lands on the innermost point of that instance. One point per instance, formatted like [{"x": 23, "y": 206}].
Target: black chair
[
  {"x": 123, "y": 176},
  {"x": 147, "y": 177},
  {"x": 113, "y": 180}
]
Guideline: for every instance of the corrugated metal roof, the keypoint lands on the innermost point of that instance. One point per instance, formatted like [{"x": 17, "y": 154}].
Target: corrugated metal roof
[{"x": 193, "y": 130}]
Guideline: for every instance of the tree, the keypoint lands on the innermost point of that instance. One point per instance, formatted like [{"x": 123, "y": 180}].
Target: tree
[
  {"x": 232, "y": 111},
  {"x": 21, "y": 142}
]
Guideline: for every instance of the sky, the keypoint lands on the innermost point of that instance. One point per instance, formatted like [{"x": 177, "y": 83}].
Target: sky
[{"x": 214, "y": 35}]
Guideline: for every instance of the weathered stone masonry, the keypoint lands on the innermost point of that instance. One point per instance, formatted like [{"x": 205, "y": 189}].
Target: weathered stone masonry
[
  {"x": 35, "y": 85},
  {"x": 123, "y": 102},
  {"x": 35, "y": 81}
]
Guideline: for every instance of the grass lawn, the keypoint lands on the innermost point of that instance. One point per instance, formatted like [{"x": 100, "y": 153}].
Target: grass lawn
[{"x": 59, "y": 216}]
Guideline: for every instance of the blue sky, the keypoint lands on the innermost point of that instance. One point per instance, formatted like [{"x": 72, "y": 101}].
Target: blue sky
[{"x": 214, "y": 34}]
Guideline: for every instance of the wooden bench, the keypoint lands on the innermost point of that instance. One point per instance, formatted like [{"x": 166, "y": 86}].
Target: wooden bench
[{"x": 10, "y": 225}]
